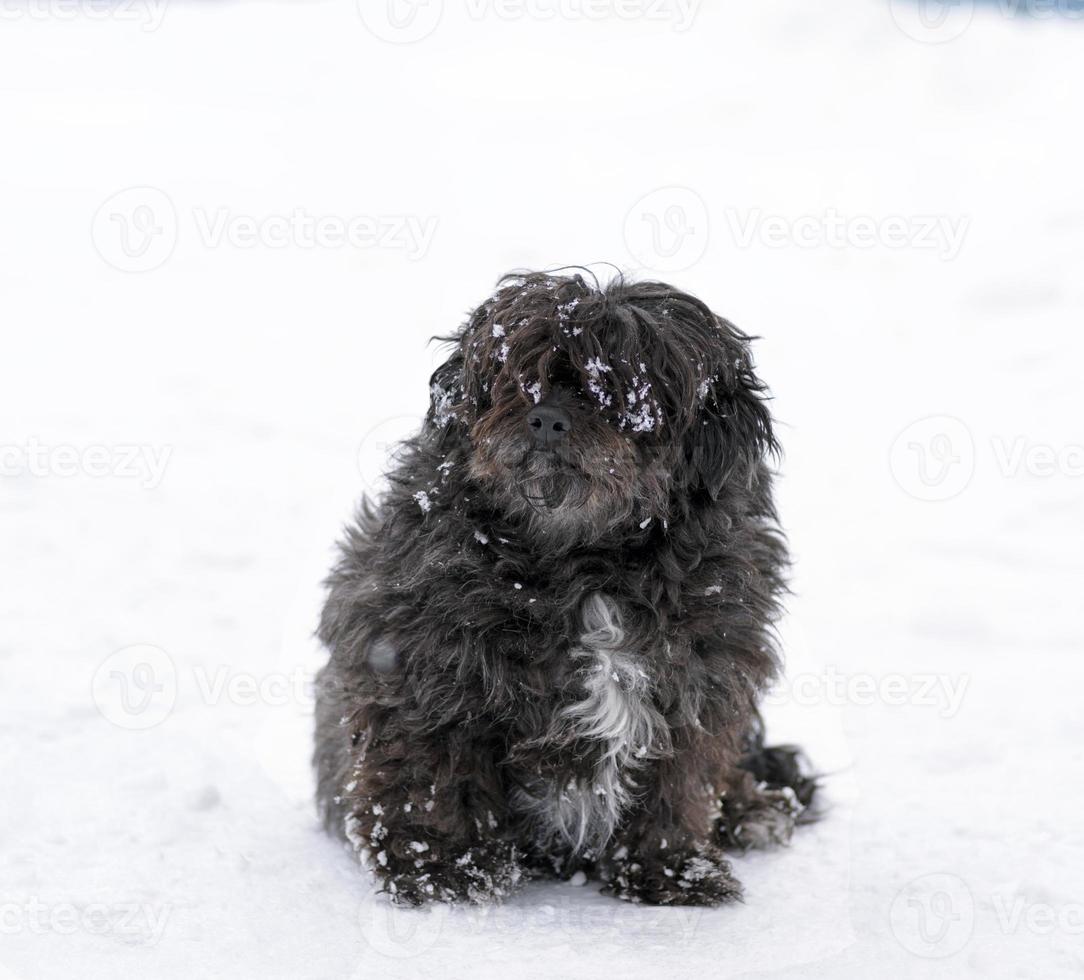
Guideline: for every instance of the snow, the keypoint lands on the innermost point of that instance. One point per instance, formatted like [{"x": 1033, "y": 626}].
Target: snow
[
  {"x": 595, "y": 369},
  {"x": 184, "y": 429},
  {"x": 443, "y": 401}
]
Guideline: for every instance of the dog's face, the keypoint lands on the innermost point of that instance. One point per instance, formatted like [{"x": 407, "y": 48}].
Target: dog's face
[{"x": 582, "y": 409}]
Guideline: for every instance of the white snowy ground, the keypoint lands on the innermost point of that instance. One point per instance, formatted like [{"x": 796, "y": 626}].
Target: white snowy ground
[{"x": 934, "y": 645}]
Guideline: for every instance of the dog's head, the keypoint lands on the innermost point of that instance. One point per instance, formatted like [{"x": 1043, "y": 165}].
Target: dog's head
[{"x": 581, "y": 408}]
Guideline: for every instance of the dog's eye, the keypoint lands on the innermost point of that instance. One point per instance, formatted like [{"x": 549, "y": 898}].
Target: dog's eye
[{"x": 562, "y": 375}]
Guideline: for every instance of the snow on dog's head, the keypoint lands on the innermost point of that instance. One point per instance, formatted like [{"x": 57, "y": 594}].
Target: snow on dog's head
[{"x": 590, "y": 406}]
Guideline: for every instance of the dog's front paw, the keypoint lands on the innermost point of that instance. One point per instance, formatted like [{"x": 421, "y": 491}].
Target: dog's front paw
[
  {"x": 476, "y": 875},
  {"x": 700, "y": 876}
]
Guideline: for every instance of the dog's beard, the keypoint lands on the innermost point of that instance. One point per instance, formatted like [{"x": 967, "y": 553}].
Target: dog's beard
[{"x": 549, "y": 481}]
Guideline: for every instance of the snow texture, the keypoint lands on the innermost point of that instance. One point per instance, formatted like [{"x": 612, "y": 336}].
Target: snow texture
[{"x": 156, "y": 619}]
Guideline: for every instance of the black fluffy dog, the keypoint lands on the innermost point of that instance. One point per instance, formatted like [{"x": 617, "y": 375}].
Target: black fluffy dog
[{"x": 548, "y": 639}]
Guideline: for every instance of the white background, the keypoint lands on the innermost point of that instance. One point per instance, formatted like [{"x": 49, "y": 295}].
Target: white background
[{"x": 782, "y": 161}]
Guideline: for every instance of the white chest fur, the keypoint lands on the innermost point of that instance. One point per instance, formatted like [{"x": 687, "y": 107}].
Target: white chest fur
[{"x": 618, "y": 713}]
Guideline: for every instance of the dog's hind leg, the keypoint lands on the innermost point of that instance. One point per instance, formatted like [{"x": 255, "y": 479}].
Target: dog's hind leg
[{"x": 768, "y": 795}]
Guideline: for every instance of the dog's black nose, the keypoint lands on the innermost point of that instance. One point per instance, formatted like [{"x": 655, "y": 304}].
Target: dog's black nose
[{"x": 548, "y": 425}]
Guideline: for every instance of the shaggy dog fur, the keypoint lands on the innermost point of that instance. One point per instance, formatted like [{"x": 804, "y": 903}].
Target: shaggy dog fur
[{"x": 548, "y": 639}]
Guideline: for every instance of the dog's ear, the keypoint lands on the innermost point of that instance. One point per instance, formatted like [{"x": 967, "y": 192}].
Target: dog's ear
[
  {"x": 446, "y": 397},
  {"x": 732, "y": 434}
]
